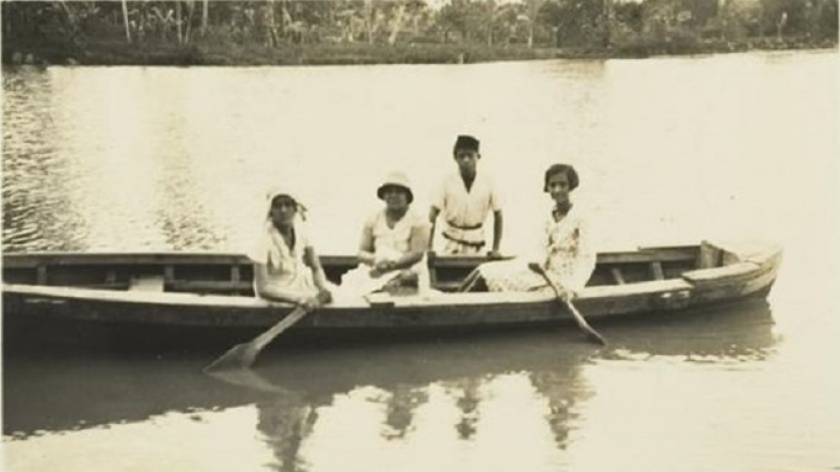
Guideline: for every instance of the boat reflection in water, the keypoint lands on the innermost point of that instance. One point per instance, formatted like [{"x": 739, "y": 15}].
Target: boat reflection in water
[
  {"x": 310, "y": 404},
  {"x": 488, "y": 383}
]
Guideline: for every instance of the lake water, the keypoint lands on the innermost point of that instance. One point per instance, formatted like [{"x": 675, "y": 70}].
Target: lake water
[{"x": 740, "y": 146}]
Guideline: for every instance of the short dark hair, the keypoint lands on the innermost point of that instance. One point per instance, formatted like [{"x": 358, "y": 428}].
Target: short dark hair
[
  {"x": 465, "y": 142},
  {"x": 567, "y": 169}
]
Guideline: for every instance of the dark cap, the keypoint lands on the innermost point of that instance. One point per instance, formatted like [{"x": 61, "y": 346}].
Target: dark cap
[{"x": 466, "y": 142}]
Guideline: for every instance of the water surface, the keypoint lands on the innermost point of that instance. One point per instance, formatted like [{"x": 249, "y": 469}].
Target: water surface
[{"x": 669, "y": 149}]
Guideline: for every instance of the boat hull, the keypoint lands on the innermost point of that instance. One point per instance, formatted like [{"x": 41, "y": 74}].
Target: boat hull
[{"x": 37, "y": 314}]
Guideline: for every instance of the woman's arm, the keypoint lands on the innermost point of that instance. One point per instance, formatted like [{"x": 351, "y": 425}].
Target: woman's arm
[
  {"x": 366, "y": 250},
  {"x": 417, "y": 244},
  {"x": 311, "y": 259}
]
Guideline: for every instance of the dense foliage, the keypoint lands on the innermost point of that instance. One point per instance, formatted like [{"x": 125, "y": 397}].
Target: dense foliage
[{"x": 194, "y": 31}]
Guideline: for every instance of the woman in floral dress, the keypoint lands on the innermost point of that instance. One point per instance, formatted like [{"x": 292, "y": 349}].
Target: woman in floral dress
[{"x": 566, "y": 252}]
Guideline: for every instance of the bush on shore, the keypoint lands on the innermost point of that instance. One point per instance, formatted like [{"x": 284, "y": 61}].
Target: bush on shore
[{"x": 151, "y": 53}]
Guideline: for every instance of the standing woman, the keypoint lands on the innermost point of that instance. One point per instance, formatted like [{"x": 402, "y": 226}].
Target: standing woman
[
  {"x": 286, "y": 267},
  {"x": 393, "y": 244},
  {"x": 566, "y": 252}
]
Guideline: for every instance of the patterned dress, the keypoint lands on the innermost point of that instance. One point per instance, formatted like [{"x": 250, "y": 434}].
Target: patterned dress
[{"x": 566, "y": 250}]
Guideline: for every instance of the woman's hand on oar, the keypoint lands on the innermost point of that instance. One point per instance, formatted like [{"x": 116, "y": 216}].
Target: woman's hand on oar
[
  {"x": 563, "y": 296},
  {"x": 243, "y": 355}
]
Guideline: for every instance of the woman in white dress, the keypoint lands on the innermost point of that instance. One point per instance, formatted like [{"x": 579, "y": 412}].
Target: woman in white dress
[
  {"x": 566, "y": 252},
  {"x": 393, "y": 244},
  {"x": 286, "y": 267}
]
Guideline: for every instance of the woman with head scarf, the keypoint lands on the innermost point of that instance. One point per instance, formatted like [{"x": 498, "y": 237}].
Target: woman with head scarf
[
  {"x": 286, "y": 267},
  {"x": 393, "y": 244}
]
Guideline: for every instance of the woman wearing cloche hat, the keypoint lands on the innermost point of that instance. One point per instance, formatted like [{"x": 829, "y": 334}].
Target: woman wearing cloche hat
[{"x": 393, "y": 244}]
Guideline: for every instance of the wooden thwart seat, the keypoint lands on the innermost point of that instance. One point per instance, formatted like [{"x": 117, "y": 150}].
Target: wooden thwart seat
[{"x": 147, "y": 283}]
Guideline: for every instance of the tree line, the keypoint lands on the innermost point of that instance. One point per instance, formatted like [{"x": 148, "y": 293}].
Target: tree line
[{"x": 526, "y": 23}]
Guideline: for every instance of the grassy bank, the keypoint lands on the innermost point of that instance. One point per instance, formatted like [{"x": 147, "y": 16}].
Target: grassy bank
[{"x": 151, "y": 53}]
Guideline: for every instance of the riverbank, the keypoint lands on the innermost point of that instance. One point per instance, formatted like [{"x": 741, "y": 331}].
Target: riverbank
[{"x": 159, "y": 53}]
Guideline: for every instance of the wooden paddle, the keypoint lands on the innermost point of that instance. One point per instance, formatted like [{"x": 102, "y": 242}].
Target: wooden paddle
[
  {"x": 591, "y": 334},
  {"x": 243, "y": 355}
]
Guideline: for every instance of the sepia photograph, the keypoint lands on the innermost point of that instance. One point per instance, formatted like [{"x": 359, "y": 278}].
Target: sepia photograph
[{"x": 420, "y": 235}]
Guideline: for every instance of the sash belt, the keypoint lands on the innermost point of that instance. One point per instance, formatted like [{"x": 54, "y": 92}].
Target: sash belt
[
  {"x": 465, "y": 228},
  {"x": 465, "y": 243}
]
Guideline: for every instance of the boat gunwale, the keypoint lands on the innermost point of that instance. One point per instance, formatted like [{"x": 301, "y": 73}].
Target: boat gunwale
[
  {"x": 695, "y": 279},
  {"x": 33, "y": 260},
  {"x": 159, "y": 308}
]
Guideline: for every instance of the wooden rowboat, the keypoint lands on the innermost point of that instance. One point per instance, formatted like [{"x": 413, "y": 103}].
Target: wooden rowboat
[{"x": 201, "y": 296}]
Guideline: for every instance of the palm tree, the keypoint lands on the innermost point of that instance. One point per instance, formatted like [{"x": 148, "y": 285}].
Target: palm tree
[
  {"x": 397, "y": 22},
  {"x": 178, "y": 20},
  {"x": 533, "y": 8},
  {"x": 608, "y": 13},
  {"x": 204, "y": 16},
  {"x": 125, "y": 20}
]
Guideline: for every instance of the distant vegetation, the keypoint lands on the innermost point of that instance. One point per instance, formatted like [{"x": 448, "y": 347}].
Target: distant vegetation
[{"x": 400, "y": 31}]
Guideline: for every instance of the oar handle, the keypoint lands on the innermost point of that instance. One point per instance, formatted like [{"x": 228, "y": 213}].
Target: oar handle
[
  {"x": 260, "y": 341},
  {"x": 266, "y": 337},
  {"x": 581, "y": 321}
]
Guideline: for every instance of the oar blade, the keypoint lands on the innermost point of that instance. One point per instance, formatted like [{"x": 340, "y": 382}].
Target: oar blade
[
  {"x": 593, "y": 336},
  {"x": 241, "y": 356}
]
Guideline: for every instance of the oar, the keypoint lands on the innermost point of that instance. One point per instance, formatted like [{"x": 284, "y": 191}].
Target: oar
[
  {"x": 243, "y": 355},
  {"x": 591, "y": 334},
  {"x": 249, "y": 379}
]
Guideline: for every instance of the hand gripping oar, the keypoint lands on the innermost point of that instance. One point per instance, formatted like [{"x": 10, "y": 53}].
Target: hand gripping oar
[
  {"x": 591, "y": 334},
  {"x": 243, "y": 355}
]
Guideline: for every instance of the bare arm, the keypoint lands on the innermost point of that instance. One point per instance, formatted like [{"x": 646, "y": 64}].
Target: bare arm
[
  {"x": 498, "y": 225},
  {"x": 314, "y": 262},
  {"x": 418, "y": 243},
  {"x": 366, "y": 249},
  {"x": 433, "y": 215}
]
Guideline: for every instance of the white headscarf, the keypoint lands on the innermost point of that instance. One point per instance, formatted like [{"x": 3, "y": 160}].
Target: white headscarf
[
  {"x": 274, "y": 256},
  {"x": 288, "y": 191}
]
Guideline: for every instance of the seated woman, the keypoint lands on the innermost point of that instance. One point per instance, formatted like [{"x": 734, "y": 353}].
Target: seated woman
[
  {"x": 393, "y": 246},
  {"x": 566, "y": 253},
  {"x": 286, "y": 267}
]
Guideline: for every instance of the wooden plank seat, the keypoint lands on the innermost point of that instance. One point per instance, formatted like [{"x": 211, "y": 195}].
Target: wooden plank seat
[{"x": 147, "y": 283}]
